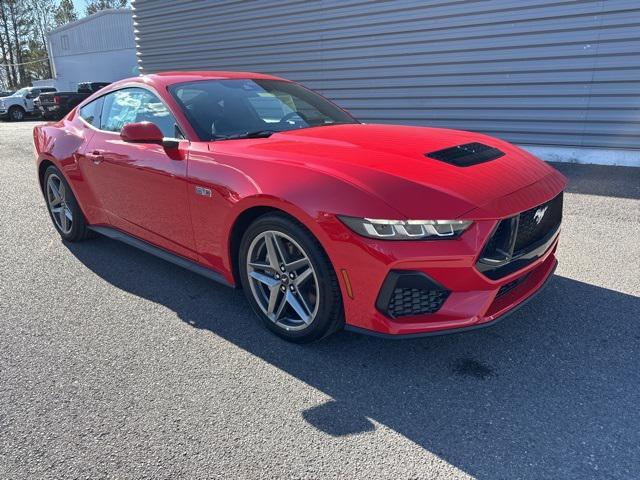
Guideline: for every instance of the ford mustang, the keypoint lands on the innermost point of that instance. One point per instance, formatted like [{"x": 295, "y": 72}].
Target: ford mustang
[{"x": 325, "y": 222}]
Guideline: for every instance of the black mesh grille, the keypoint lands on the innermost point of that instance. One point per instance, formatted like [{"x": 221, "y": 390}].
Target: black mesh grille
[
  {"x": 519, "y": 240},
  {"x": 405, "y": 293},
  {"x": 415, "y": 301},
  {"x": 534, "y": 224},
  {"x": 467, "y": 154}
]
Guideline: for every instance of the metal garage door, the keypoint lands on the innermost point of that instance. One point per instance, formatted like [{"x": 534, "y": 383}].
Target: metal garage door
[{"x": 541, "y": 72}]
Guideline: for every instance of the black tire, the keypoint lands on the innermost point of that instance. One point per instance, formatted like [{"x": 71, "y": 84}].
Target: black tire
[
  {"x": 16, "y": 113},
  {"x": 79, "y": 229},
  {"x": 330, "y": 313}
]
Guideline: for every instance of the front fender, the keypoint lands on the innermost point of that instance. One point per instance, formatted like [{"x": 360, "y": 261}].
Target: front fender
[{"x": 238, "y": 184}]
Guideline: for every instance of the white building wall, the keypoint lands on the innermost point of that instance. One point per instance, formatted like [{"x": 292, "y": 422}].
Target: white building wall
[
  {"x": 94, "y": 67},
  {"x": 97, "y": 48}
]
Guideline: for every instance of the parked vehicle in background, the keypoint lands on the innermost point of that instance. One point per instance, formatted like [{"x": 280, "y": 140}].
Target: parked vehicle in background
[
  {"x": 91, "y": 87},
  {"x": 56, "y": 105},
  {"x": 21, "y": 104}
]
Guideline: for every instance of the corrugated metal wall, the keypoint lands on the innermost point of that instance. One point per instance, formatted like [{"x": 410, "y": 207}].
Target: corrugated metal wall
[
  {"x": 104, "y": 31},
  {"x": 543, "y": 72},
  {"x": 97, "y": 48}
]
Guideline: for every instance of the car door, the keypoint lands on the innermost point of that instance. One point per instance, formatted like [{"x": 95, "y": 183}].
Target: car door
[
  {"x": 29, "y": 98},
  {"x": 142, "y": 186}
]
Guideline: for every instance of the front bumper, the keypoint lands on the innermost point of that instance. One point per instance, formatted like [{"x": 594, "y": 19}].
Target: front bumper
[
  {"x": 476, "y": 326},
  {"x": 4, "y": 113},
  {"x": 472, "y": 299}
]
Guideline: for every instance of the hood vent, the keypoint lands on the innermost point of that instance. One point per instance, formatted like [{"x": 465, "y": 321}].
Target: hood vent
[{"x": 467, "y": 154}]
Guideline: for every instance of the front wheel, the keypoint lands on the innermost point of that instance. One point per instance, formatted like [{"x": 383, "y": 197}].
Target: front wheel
[
  {"x": 289, "y": 280},
  {"x": 16, "y": 114}
]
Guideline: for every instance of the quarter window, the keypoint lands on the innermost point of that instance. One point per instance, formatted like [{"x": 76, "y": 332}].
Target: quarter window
[
  {"x": 91, "y": 112},
  {"x": 132, "y": 105}
]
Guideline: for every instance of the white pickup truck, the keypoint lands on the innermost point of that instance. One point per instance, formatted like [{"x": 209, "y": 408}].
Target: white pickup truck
[{"x": 20, "y": 104}]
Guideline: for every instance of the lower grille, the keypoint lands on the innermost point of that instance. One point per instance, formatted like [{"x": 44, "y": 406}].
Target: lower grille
[
  {"x": 521, "y": 239},
  {"x": 407, "y": 293},
  {"x": 414, "y": 301}
]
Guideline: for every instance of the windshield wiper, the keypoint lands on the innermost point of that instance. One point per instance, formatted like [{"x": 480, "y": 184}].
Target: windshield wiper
[{"x": 255, "y": 134}]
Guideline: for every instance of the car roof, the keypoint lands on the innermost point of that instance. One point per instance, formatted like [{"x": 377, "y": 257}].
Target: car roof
[
  {"x": 161, "y": 81},
  {"x": 164, "y": 79}
]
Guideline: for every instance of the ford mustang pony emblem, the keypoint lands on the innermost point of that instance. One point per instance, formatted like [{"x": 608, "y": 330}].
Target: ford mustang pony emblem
[{"x": 539, "y": 214}]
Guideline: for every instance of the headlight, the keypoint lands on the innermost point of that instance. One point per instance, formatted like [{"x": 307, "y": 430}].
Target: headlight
[{"x": 406, "y": 229}]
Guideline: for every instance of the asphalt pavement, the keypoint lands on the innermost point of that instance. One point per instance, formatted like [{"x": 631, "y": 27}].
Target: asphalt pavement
[{"x": 115, "y": 364}]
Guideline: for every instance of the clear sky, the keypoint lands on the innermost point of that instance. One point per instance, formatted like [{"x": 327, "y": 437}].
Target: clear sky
[{"x": 80, "y": 6}]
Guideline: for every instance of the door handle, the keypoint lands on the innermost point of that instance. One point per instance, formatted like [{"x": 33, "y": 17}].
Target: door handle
[{"x": 96, "y": 156}]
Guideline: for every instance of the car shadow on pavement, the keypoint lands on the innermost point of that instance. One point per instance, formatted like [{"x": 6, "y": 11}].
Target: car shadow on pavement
[{"x": 550, "y": 392}]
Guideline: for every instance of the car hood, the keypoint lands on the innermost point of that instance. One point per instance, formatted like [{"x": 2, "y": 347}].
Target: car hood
[{"x": 390, "y": 161}]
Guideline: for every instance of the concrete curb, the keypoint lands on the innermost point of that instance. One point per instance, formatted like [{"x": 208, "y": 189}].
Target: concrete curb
[{"x": 599, "y": 156}]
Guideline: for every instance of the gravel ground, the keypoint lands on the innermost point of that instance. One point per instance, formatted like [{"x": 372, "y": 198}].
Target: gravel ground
[{"x": 116, "y": 364}]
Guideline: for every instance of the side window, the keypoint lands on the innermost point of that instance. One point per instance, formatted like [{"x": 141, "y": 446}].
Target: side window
[
  {"x": 131, "y": 105},
  {"x": 91, "y": 112}
]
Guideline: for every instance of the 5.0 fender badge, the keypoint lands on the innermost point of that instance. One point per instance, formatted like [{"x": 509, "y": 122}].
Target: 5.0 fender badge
[{"x": 205, "y": 192}]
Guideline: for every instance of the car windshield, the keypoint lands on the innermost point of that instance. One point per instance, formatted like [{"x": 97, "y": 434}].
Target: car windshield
[
  {"x": 22, "y": 92},
  {"x": 242, "y": 108}
]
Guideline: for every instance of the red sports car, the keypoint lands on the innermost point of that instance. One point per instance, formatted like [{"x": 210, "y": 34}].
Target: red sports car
[{"x": 325, "y": 222}]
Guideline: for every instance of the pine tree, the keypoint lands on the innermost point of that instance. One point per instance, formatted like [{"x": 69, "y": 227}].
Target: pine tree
[
  {"x": 42, "y": 13},
  {"x": 65, "y": 13},
  {"x": 16, "y": 21},
  {"x": 7, "y": 47},
  {"x": 94, "y": 6}
]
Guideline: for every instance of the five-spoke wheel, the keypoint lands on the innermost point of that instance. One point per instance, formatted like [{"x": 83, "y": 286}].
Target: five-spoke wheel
[
  {"x": 289, "y": 280},
  {"x": 63, "y": 207},
  {"x": 56, "y": 198},
  {"x": 282, "y": 280}
]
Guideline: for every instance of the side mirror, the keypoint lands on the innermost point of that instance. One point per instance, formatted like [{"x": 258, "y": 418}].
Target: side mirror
[
  {"x": 29, "y": 96},
  {"x": 142, "y": 132},
  {"x": 147, "y": 132}
]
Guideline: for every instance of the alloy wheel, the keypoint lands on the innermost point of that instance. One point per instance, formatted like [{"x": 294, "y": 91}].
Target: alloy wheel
[
  {"x": 16, "y": 114},
  {"x": 58, "y": 206},
  {"x": 283, "y": 281}
]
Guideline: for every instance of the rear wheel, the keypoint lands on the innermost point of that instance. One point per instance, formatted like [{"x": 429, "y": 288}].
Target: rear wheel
[
  {"x": 289, "y": 280},
  {"x": 16, "y": 114},
  {"x": 63, "y": 207}
]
